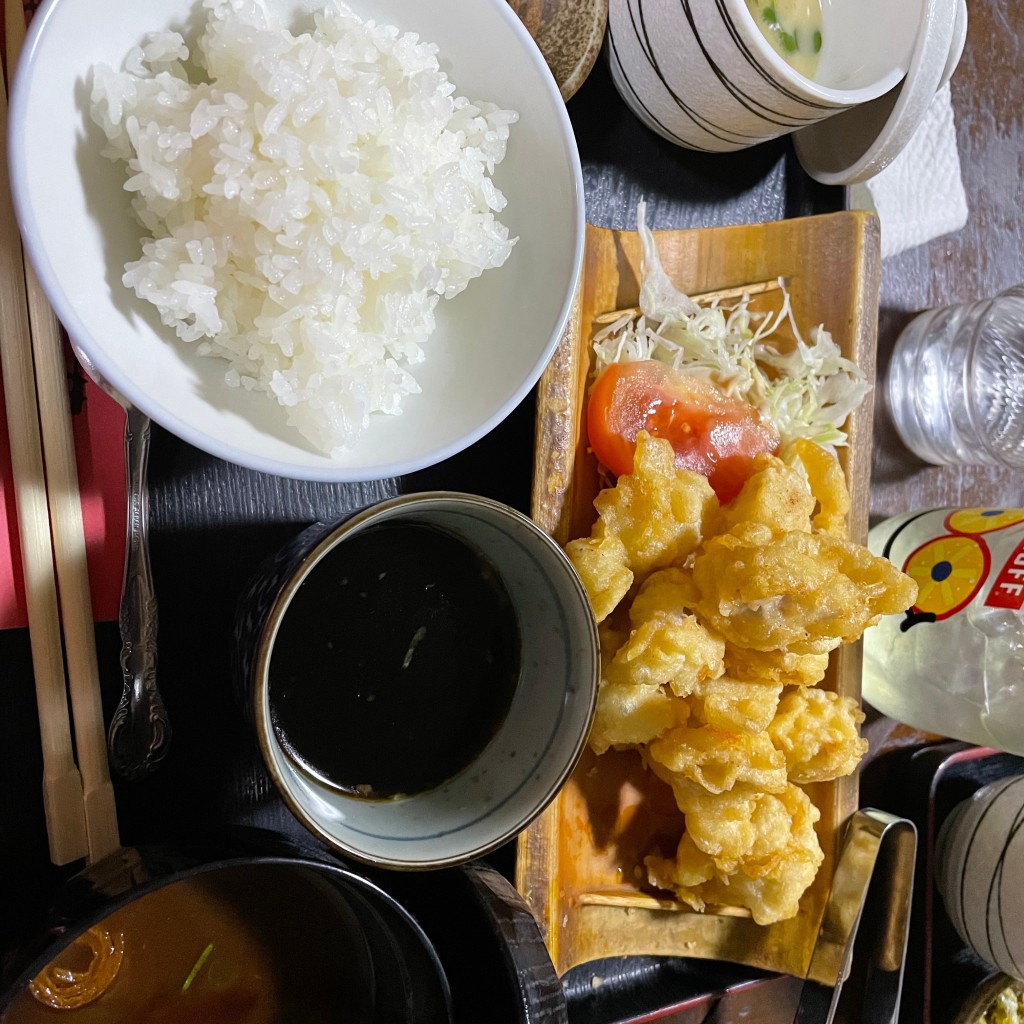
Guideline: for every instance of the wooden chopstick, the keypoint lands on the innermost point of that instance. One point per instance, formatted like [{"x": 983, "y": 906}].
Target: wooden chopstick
[
  {"x": 68, "y": 533},
  {"x": 757, "y": 288},
  {"x": 72, "y": 573},
  {"x": 63, "y": 802}
]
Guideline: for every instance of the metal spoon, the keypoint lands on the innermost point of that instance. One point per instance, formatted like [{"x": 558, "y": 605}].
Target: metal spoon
[{"x": 140, "y": 731}]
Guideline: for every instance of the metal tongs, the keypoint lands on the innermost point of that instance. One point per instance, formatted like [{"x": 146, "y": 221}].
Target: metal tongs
[{"x": 868, "y": 908}]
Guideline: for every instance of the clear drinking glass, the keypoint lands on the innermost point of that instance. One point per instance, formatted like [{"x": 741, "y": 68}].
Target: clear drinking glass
[{"x": 956, "y": 383}]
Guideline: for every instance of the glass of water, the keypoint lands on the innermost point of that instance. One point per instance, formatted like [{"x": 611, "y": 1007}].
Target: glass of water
[{"x": 956, "y": 383}]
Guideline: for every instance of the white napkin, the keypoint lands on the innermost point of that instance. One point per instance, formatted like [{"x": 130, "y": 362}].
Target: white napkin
[{"x": 920, "y": 195}]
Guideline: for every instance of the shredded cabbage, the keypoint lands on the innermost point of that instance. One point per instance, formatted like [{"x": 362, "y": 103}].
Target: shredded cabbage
[{"x": 808, "y": 391}]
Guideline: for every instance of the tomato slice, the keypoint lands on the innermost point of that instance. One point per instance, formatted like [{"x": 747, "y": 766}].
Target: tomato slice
[{"x": 711, "y": 433}]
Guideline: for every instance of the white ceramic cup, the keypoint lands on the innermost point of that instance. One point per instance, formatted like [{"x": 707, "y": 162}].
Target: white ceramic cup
[
  {"x": 980, "y": 872},
  {"x": 701, "y": 74}
]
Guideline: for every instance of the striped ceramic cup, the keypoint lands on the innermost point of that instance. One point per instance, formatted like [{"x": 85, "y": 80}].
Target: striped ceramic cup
[
  {"x": 720, "y": 75},
  {"x": 980, "y": 872}
]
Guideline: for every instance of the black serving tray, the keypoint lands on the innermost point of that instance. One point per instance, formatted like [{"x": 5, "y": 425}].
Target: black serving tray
[{"x": 212, "y": 524}]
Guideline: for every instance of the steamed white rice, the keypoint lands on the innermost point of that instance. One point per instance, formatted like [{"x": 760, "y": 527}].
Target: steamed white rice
[{"x": 309, "y": 199}]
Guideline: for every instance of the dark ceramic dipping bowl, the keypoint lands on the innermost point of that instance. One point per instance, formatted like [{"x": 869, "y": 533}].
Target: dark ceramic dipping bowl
[
  {"x": 538, "y": 741},
  {"x": 216, "y": 932}
]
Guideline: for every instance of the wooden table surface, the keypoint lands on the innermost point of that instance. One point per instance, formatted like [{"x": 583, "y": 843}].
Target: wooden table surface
[
  {"x": 984, "y": 258},
  {"x": 213, "y": 523}
]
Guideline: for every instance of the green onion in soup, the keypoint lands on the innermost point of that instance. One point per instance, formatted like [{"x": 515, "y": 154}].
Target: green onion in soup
[{"x": 793, "y": 29}]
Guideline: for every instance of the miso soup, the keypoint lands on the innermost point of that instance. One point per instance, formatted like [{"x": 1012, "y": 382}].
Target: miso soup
[
  {"x": 255, "y": 944},
  {"x": 793, "y": 29}
]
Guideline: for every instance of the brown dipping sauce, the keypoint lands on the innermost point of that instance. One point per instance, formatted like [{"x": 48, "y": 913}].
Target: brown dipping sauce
[
  {"x": 395, "y": 663},
  {"x": 273, "y": 946}
]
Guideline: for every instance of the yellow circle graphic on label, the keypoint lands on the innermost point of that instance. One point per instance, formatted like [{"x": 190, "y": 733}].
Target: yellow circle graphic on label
[
  {"x": 983, "y": 520},
  {"x": 949, "y": 571}
]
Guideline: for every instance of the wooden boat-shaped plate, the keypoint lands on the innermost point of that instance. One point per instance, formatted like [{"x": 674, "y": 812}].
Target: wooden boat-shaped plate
[{"x": 579, "y": 866}]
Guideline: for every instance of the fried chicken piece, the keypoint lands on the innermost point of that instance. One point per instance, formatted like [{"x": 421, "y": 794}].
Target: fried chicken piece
[
  {"x": 600, "y": 562},
  {"x": 663, "y": 650},
  {"x": 775, "y": 666},
  {"x": 720, "y": 824},
  {"x": 768, "y": 877},
  {"x": 802, "y": 592},
  {"x": 719, "y": 760},
  {"x": 659, "y": 512},
  {"x": 817, "y": 732},
  {"x": 734, "y": 706},
  {"x": 775, "y": 495},
  {"x": 665, "y": 592},
  {"x": 612, "y": 633},
  {"x": 688, "y": 875},
  {"x": 827, "y": 483},
  {"x": 629, "y": 716},
  {"x": 645, "y": 675}
]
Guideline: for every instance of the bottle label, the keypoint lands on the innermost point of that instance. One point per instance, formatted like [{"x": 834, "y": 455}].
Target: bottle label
[
  {"x": 953, "y": 664},
  {"x": 954, "y": 554},
  {"x": 1008, "y": 589}
]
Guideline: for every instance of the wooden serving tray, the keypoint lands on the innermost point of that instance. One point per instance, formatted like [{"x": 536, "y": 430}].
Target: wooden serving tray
[{"x": 577, "y": 865}]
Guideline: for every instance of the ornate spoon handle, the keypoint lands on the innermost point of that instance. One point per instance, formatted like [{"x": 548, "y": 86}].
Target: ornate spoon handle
[{"x": 140, "y": 732}]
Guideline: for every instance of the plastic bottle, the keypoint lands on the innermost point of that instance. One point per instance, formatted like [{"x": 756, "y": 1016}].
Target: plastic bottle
[{"x": 954, "y": 663}]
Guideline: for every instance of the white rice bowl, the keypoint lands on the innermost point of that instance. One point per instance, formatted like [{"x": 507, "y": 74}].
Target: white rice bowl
[{"x": 491, "y": 340}]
